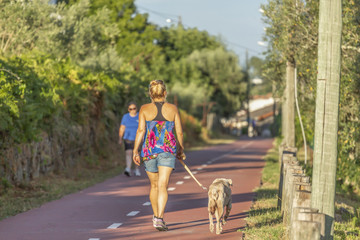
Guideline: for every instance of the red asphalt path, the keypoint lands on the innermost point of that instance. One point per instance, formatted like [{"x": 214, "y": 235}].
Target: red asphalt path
[{"x": 121, "y": 202}]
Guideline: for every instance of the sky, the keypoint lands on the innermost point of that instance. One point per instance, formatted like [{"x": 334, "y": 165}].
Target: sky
[{"x": 237, "y": 22}]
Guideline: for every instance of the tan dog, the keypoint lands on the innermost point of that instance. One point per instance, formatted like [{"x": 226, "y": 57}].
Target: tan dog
[{"x": 219, "y": 197}]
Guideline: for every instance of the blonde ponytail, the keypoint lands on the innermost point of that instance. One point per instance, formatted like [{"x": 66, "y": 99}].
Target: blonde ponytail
[{"x": 157, "y": 89}]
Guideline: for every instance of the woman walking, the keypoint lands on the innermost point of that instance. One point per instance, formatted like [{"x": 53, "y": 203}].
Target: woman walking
[
  {"x": 158, "y": 122},
  {"x": 127, "y": 131}
]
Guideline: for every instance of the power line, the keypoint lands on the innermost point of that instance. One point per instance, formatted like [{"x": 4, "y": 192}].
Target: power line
[
  {"x": 174, "y": 16},
  {"x": 241, "y": 46},
  {"x": 165, "y": 15}
]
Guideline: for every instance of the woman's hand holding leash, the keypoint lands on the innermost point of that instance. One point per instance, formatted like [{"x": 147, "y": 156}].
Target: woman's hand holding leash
[{"x": 180, "y": 154}]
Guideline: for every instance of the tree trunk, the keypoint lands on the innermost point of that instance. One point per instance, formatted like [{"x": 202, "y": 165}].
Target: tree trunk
[
  {"x": 327, "y": 111},
  {"x": 289, "y": 113}
]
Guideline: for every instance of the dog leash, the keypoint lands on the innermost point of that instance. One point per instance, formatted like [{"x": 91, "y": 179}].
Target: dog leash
[{"x": 188, "y": 170}]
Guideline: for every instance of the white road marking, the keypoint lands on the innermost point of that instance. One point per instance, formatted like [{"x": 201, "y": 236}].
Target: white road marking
[
  {"x": 171, "y": 189},
  {"x": 133, "y": 213},
  {"x": 114, "y": 226},
  {"x": 147, "y": 204},
  {"x": 179, "y": 182},
  {"x": 200, "y": 168},
  {"x": 215, "y": 159},
  {"x": 94, "y": 238},
  {"x": 246, "y": 145},
  {"x": 227, "y": 154}
]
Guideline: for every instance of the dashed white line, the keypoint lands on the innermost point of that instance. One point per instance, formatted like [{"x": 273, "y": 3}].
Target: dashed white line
[
  {"x": 227, "y": 154},
  {"x": 200, "y": 168},
  {"x": 246, "y": 145},
  {"x": 114, "y": 226},
  {"x": 133, "y": 213}
]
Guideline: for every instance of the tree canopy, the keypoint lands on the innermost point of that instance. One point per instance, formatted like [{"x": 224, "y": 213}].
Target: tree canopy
[
  {"x": 292, "y": 30},
  {"x": 68, "y": 69}
]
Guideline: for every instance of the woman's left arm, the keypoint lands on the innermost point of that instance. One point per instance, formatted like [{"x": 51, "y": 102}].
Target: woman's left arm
[{"x": 139, "y": 137}]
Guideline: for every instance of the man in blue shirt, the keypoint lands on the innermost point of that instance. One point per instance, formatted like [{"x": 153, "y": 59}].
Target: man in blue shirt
[{"x": 127, "y": 132}]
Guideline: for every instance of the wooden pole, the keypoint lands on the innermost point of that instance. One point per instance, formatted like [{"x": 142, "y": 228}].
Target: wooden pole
[
  {"x": 327, "y": 111},
  {"x": 290, "y": 105}
]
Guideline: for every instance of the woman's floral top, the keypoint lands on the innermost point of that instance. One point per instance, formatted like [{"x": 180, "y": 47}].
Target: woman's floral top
[{"x": 159, "y": 138}]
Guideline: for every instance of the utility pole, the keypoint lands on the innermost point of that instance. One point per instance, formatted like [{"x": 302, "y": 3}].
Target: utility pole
[
  {"x": 247, "y": 88},
  {"x": 179, "y": 20},
  {"x": 289, "y": 104},
  {"x": 327, "y": 112}
]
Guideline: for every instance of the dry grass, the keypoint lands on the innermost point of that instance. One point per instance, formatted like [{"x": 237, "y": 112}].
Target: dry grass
[{"x": 26, "y": 196}]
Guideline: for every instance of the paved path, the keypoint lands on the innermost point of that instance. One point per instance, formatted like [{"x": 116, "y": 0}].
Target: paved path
[{"x": 119, "y": 207}]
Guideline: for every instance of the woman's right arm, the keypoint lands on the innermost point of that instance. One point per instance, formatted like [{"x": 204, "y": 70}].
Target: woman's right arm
[
  {"x": 180, "y": 136},
  {"x": 121, "y": 133},
  {"x": 139, "y": 137}
]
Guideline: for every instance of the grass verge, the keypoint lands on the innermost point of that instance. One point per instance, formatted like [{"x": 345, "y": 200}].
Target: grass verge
[
  {"x": 265, "y": 220},
  {"x": 26, "y": 196}
]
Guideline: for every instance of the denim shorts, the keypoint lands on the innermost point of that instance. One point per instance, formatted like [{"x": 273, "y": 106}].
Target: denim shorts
[{"x": 164, "y": 159}]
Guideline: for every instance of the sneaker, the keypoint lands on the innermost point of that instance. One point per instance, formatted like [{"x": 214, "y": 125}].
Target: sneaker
[
  {"x": 127, "y": 172},
  {"x": 137, "y": 172},
  {"x": 159, "y": 224},
  {"x": 155, "y": 219}
]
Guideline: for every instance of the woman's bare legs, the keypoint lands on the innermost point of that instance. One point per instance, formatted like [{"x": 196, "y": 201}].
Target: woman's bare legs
[
  {"x": 164, "y": 177},
  {"x": 153, "y": 177},
  {"x": 158, "y": 191}
]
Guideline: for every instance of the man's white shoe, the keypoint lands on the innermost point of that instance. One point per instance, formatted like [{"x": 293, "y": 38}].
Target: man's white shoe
[{"x": 137, "y": 172}]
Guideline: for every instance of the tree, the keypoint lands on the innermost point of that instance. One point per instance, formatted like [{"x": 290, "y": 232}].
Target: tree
[
  {"x": 218, "y": 74},
  {"x": 327, "y": 111},
  {"x": 178, "y": 42},
  {"x": 348, "y": 167},
  {"x": 282, "y": 32}
]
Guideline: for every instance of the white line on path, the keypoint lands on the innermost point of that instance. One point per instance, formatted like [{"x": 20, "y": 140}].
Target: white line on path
[
  {"x": 194, "y": 172},
  {"x": 187, "y": 177},
  {"x": 246, "y": 145},
  {"x": 133, "y": 213},
  {"x": 199, "y": 168},
  {"x": 179, "y": 182},
  {"x": 171, "y": 189},
  {"x": 227, "y": 154},
  {"x": 94, "y": 238},
  {"x": 204, "y": 165},
  {"x": 147, "y": 204},
  {"x": 114, "y": 226}
]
